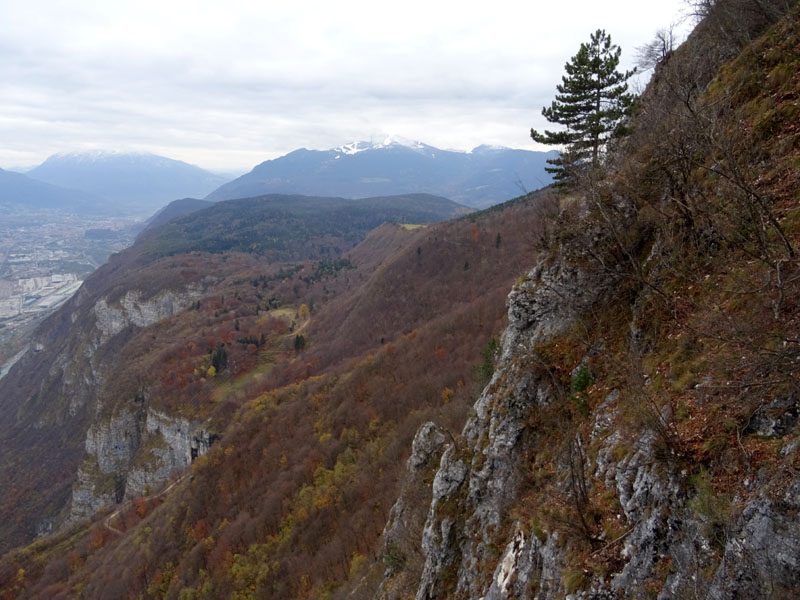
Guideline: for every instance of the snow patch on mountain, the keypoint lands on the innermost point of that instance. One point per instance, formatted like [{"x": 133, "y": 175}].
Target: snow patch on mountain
[
  {"x": 353, "y": 148},
  {"x": 379, "y": 142}
]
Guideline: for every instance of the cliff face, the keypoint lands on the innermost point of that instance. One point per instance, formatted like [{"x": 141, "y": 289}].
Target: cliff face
[
  {"x": 132, "y": 310},
  {"x": 668, "y": 540},
  {"x": 669, "y": 527},
  {"x": 637, "y": 438},
  {"x": 132, "y": 454},
  {"x": 64, "y": 393},
  {"x": 137, "y": 448}
]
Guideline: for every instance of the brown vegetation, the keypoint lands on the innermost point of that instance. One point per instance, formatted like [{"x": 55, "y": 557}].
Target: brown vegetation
[
  {"x": 313, "y": 441},
  {"x": 697, "y": 226}
]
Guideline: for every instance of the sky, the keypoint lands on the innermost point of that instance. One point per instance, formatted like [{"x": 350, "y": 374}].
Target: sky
[{"x": 227, "y": 85}]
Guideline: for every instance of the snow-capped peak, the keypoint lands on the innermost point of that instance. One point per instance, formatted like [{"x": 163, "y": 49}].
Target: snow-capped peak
[
  {"x": 378, "y": 142},
  {"x": 395, "y": 140}
]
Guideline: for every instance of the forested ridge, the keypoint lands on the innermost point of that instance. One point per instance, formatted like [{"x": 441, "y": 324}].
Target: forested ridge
[
  {"x": 312, "y": 435},
  {"x": 623, "y": 424}
]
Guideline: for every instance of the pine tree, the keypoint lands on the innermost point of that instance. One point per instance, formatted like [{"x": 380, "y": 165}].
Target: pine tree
[{"x": 591, "y": 102}]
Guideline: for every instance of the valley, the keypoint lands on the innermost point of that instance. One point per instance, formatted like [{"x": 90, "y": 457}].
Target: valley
[
  {"x": 590, "y": 391},
  {"x": 194, "y": 341},
  {"x": 44, "y": 256}
]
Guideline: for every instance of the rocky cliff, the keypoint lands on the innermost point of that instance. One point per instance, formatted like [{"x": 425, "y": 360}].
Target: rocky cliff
[
  {"x": 488, "y": 535},
  {"x": 638, "y": 440},
  {"x": 66, "y": 393},
  {"x": 638, "y": 436},
  {"x": 131, "y": 455}
]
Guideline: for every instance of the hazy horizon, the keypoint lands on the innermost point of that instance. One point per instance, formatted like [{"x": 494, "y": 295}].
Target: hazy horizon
[{"x": 226, "y": 88}]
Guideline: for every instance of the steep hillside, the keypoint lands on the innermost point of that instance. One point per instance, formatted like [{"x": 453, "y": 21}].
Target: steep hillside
[
  {"x": 50, "y": 396},
  {"x": 479, "y": 178},
  {"x": 639, "y": 437},
  {"x": 90, "y": 358},
  {"x": 133, "y": 417},
  {"x": 635, "y": 433}
]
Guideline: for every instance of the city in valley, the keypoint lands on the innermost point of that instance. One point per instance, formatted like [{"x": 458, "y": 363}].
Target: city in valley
[{"x": 44, "y": 256}]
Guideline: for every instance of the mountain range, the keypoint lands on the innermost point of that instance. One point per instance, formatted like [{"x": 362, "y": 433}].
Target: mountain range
[
  {"x": 128, "y": 181},
  {"x": 103, "y": 182},
  {"x": 586, "y": 393},
  {"x": 487, "y": 175},
  {"x": 20, "y": 191}
]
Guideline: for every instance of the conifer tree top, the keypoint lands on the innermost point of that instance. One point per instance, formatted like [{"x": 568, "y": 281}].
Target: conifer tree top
[{"x": 591, "y": 102}]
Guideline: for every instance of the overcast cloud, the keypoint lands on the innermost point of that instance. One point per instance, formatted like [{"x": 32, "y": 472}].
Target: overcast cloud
[{"x": 226, "y": 85}]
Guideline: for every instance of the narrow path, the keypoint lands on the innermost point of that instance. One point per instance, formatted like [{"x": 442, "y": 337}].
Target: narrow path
[
  {"x": 107, "y": 521},
  {"x": 299, "y": 329}
]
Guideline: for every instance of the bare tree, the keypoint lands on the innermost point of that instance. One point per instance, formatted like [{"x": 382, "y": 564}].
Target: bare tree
[{"x": 652, "y": 53}]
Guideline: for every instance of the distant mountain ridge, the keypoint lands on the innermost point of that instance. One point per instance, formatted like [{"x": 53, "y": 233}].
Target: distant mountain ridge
[
  {"x": 129, "y": 181},
  {"x": 604, "y": 391},
  {"x": 485, "y": 176},
  {"x": 175, "y": 209},
  {"x": 18, "y": 190},
  {"x": 286, "y": 227}
]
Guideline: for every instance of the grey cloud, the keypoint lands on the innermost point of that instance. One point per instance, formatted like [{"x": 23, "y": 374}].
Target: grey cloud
[{"x": 249, "y": 83}]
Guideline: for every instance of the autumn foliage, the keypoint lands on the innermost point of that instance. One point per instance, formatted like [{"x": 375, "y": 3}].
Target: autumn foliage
[{"x": 313, "y": 442}]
